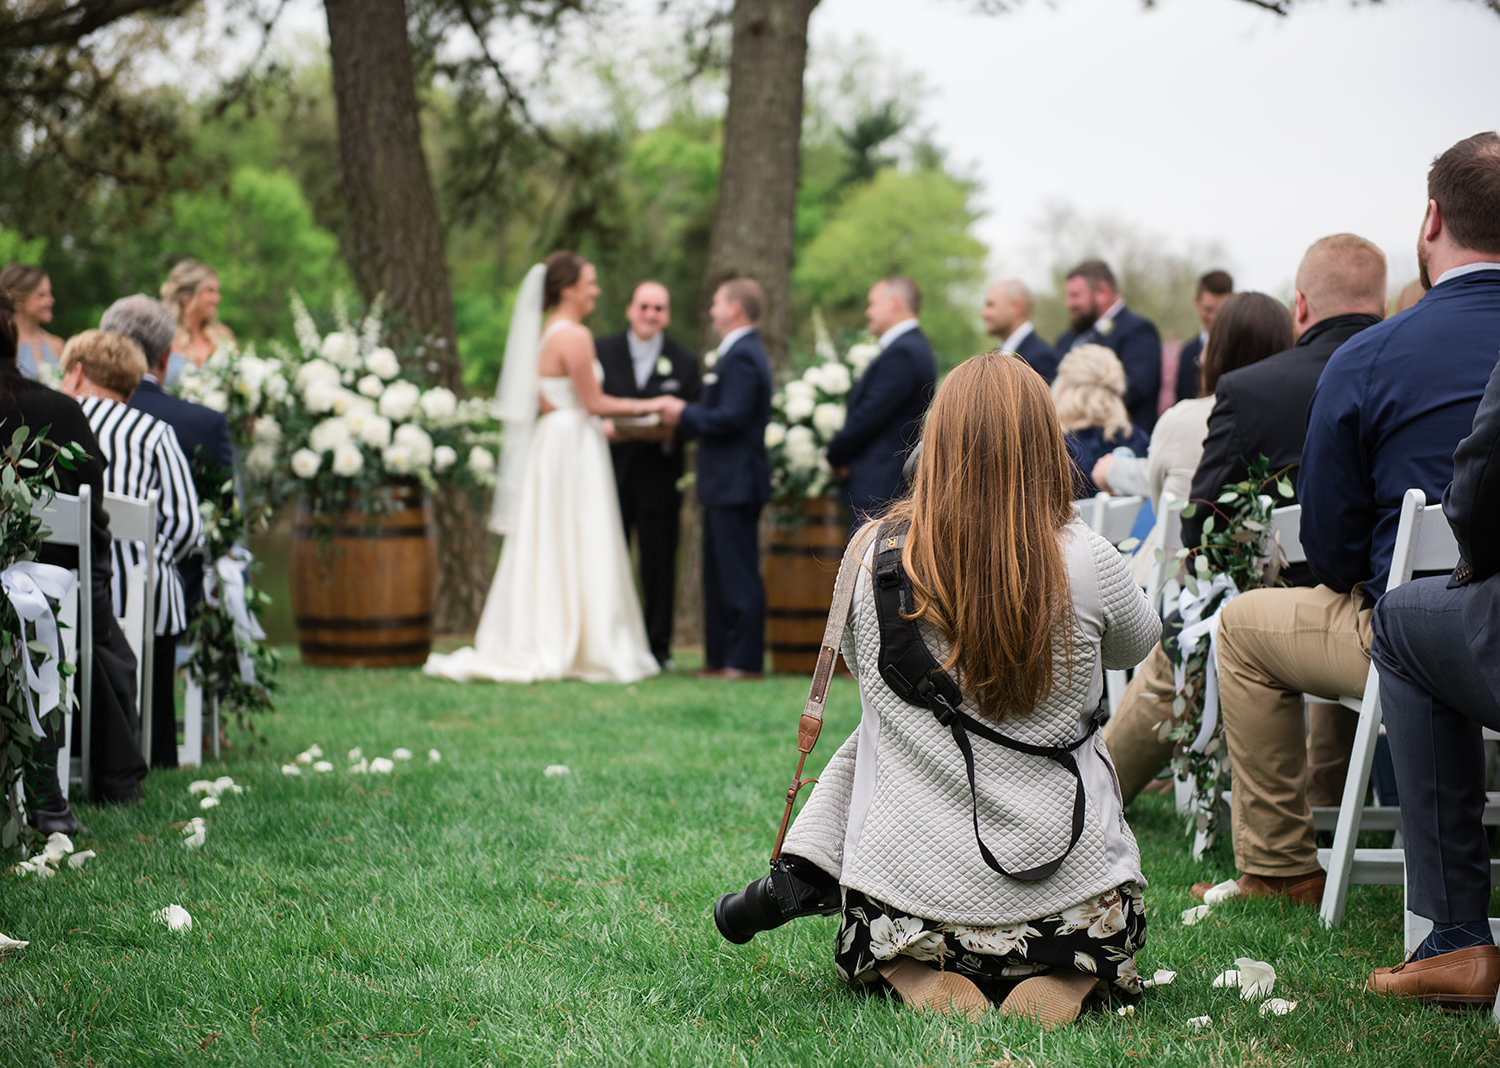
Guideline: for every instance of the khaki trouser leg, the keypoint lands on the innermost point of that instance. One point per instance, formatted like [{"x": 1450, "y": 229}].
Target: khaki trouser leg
[
  {"x": 1330, "y": 739},
  {"x": 1131, "y": 733},
  {"x": 1274, "y": 646}
]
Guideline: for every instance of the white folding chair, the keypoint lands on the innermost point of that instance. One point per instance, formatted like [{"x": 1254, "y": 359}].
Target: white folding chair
[
  {"x": 67, "y": 520},
  {"x": 1424, "y": 542},
  {"x": 134, "y": 519},
  {"x": 1113, "y": 518},
  {"x": 1162, "y": 585}
]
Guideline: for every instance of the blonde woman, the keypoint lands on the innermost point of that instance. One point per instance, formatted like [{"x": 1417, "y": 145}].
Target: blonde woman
[
  {"x": 1089, "y": 393},
  {"x": 191, "y": 292}
]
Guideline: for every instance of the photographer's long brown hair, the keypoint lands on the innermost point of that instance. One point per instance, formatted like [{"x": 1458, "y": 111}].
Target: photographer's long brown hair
[{"x": 993, "y": 488}]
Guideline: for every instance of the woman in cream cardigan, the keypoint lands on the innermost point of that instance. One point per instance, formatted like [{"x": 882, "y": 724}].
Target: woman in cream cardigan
[{"x": 1025, "y": 607}]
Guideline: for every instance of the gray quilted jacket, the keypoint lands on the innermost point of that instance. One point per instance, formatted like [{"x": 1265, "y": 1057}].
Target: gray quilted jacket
[{"x": 890, "y": 815}]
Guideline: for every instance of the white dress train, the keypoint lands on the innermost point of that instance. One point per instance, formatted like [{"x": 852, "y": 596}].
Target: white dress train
[{"x": 563, "y": 603}]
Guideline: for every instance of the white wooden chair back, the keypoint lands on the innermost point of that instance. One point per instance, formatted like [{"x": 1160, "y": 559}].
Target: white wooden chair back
[
  {"x": 1112, "y": 517},
  {"x": 134, "y": 519},
  {"x": 1286, "y": 528},
  {"x": 67, "y": 520},
  {"x": 1162, "y": 585}
]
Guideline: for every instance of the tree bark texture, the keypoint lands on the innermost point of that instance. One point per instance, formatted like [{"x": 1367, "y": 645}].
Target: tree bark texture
[
  {"x": 755, "y": 214},
  {"x": 395, "y": 243}
]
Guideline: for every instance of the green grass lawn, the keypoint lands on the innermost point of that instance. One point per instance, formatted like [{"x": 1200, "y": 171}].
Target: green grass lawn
[{"x": 478, "y": 912}]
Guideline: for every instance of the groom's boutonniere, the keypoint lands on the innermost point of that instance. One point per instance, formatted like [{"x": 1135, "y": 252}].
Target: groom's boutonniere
[
  {"x": 1104, "y": 327},
  {"x": 710, "y": 358},
  {"x": 663, "y": 366}
]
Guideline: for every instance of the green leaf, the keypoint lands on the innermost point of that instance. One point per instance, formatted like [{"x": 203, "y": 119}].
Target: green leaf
[
  {"x": 1228, "y": 495},
  {"x": 1284, "y": 488},
  {"x": 1189, "y": 510},
  {"x": 1208, "y": 525}
]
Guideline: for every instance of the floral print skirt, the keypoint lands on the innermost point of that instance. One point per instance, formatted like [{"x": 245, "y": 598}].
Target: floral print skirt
[{"x": 1100, "y": 936}]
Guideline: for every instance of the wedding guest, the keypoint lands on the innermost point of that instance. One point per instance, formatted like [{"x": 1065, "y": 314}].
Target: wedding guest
[
  {"x": 642, "y": 361},
  {"x": 1007, "y": 311},
  {"x": 117, "y": 765},
  {"x": 1088, "y": 393},
  {"x": 1097, "y": 315},
  {"x": 1261, "y": 411},
  {"x": 1213, "y": 289},
  {"x": 191, "y": 291},
  {"x": 100, "y": 371},
  {"x": 734, "y": 482},
  {"x": 203, "y": 436},
  {"x": 884, "y": 415},
  {"x": 1437, "y": 645},
  {"x": 31, "y": 290},
  {"x": 1023, "y": 622}
]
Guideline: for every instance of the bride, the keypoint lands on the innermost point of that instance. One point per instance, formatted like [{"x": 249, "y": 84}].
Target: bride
[{"x": 563, "y": 603}]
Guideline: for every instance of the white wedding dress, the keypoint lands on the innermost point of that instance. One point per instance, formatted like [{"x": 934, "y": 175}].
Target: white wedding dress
[{"x": 563, "y": 603}]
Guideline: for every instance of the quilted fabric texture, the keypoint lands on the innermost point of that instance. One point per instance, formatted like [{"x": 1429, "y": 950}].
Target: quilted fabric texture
[{"x": 895, "y": 822}]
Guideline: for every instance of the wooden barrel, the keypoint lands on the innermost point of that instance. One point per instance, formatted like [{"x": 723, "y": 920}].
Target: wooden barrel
[
  {"x": 363, "y": 586},
  {"x": 802, "y": 563}
]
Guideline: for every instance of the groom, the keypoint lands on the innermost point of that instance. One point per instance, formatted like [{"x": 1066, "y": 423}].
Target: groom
[{"x": 734, "y": 482}]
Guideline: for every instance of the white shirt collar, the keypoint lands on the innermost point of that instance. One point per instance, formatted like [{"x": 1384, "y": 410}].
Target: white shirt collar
[
  {"x": 643, "y": 356},
  {"x": 1468, "y": 268},
  {"x": 905, "y": 326},
  {"x": 1018, "y": 335},
  {"x": 1113, "y": 310},
  {"x": 733, "y": 336}
]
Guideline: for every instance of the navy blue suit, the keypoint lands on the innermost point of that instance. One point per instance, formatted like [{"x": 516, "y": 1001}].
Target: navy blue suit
[
  {"x": 1088, "y": 446},
  {"x": 1392, "y": 404},
  {"x": 1134, "y": 339},
  {"x": 884, "y": 423},
  {"x": 1189, "y": 370},
  {"x": 1039, "y": 354},
  {"x": 734, "y": 483}
]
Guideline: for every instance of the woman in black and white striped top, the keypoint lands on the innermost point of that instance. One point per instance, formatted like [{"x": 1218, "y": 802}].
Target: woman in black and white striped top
[{"x": 100, "y": 371}]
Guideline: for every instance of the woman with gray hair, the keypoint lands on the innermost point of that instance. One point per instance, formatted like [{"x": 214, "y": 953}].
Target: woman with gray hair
[{"x": 1089, "y": 396}]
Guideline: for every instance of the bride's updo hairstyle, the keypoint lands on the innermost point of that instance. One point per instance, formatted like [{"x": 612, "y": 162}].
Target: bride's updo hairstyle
[
  {"x": 993, "y": 488},
  {"x": 564, "y": 268}
]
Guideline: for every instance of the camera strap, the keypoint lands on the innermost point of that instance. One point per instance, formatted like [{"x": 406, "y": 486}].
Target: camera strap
[
  {"x": 913, "y": 674},
  {"x": 811, "y": 723}
]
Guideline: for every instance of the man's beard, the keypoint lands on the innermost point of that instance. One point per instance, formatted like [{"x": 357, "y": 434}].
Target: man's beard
[
  {"x": 1422, "y": 272},
  {"x": 1081, "y": 321}
]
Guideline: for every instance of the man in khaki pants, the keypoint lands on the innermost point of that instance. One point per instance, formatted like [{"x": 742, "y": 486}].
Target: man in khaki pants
[{"x": 1390, "y": 408}]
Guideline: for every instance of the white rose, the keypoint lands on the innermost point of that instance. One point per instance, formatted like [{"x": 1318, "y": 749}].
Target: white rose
[
  {"x": 261, "y": 459},
  {"x": 329, "y": 435},
  {"x": 397, "y": 459},
  {"x": 383, "y": 362},
  {"x": 399, "y": 401},
  {"x": 710, "y": 358},
  {"x": 345, "y": 402},
  {"x": 801, "y": 389},
  {"x": 828, "y": 419},
  {"x": 371, "y": 386},
  {"x": 802, "y": 447},
  {"x": 836, "y": 379},
  {"x": 321, "y": 396},
  {"x": 267, "y": 431},
  {"x": 443, "y": 457},
  {"x": 340, "y": 348},
  {"x": 416, "y": 441},
  {"x": 347, "y": 460},
  {"x": 798, "y": 407},
  {"x": 275, "y": 388},
  {"x": 316, "y": 371},
  {"x": 860, "y": 356},
  {"x": 374, "y": 431},
  {"x": 216, "y": 399},
  {"x": 305, "y": 463},
  {"x": 481, "y": 461},
  {"x": 775, "y": 435},
  {"x": 439, "y": 403}
]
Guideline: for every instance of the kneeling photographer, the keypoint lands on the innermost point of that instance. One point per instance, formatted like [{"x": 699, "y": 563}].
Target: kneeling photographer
[{"x": 970, "y": 831}]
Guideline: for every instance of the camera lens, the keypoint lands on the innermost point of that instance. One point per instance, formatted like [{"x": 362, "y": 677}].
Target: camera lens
[{"x": 740, "y": 917}]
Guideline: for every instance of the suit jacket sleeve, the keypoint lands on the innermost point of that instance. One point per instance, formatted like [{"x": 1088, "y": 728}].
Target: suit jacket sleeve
[
  {"x": 1334, "y": 484},
  {"x": 894, "y": 379},
  {"x": 1140, "y": 352},
  {"x": 736, "y": 409},
  {"x": 1221, "y": 463},
  {"x": 223, "y": 447},
  {"x": 1472, "y": 502}
]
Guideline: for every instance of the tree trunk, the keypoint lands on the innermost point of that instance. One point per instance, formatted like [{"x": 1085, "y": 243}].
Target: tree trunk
[
  {"x": 755, "y": 215},
  {"x": 395, "y": 242}
]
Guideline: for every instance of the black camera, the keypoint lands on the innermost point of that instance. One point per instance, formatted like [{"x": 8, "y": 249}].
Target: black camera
[{"x": 795, "y": 887}]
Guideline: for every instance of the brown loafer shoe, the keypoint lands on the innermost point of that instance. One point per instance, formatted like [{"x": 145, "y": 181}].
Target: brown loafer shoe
[
  {"x": 1301, "y": 889},
  {"x": 1463, "y": 979},
  {"x": 736, "y": 675}
]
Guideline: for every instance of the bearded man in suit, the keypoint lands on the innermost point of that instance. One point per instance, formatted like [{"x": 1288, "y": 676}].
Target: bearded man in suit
[
  {"x": 1097, "y": 316},
  {"x": 642, "y": 361}
]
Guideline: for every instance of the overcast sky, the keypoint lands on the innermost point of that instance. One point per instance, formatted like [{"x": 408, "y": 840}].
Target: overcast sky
[{"x": 1201, "y": 121}]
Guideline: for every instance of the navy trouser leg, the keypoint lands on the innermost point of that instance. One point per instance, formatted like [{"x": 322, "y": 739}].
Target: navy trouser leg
[
  {"x": 1435, "y": 703},
  {"x": 733, "y": 534},
  {"x": 713, "y": 597}
]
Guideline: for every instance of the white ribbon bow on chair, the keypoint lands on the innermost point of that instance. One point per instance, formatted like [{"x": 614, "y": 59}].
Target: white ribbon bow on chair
[
  {"x": 225, "y": 584},
  {"x": 1196, "y": 625},
  {"x": 28, "y": 585}
]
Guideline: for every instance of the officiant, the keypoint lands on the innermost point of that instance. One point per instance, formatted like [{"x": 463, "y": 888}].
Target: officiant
[{"x": 642, "y": 361}]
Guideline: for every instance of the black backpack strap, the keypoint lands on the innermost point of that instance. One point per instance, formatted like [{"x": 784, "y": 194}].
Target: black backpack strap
[{"x": 913, "y": 674}]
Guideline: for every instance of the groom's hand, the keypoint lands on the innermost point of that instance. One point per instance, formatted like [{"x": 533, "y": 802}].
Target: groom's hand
[{"x": 671, "y": 410}]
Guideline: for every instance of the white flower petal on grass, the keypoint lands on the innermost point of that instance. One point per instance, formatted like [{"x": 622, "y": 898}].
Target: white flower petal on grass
[
  {"x": 1125, "y": 1010},
  {"x": 402, "y": 754},
  {"x": 1257, "y": 978},
  {"x": 304, "y": 758},
  {"x": 360, "y": 768},
  {"x": 323, "y": 765},
  {"x": 200, "y": 786},
  {"x": 1222, "y": 892},
  {"x": 1162, "y": 977},
  {"x": 556, "y": 769},
  {"x": 433, "y": 756},
  {"x": 315, "y": 750},
  {"x": 8, "y": 943},
  {"x": 58, "y": 846},
  {"x": 1194, "y": 914},
  {"x": 382, "y": 766},
  {"x": 356, "y": 754},
  {"x": 1276, "y": 1007},
  {"x": 1230, "y": 978},
  {"x": 36, "y": 865},
  {"x": 290, "y": 769},
  {"x": 77, "y": 859},
  {"x": 1198, "y": 1023},
  {"x": 175, "y": 917},
  {"x": 208, "y": 802},
  {"x": 194, "y": 833}
]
